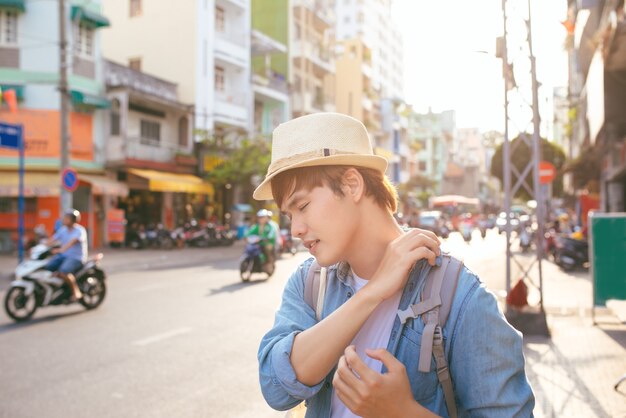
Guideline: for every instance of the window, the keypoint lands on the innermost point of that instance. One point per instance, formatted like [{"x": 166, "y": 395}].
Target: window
[
  {"x": 83, "y": 41},
  {"x": 219, "y": 19},
  {"x": 150, "y": 131},
  {"x": 219, "y": 79},
  {"x": 8, "y": 27},
  {"x": 135, "y": 64},
  {"x": 183, "y": 131},
  {"x": 115, "y": 117},
  {"x": 135, "y": 8}
]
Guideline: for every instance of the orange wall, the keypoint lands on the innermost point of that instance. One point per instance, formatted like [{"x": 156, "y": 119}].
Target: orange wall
[{"x": 43, "y": 129}]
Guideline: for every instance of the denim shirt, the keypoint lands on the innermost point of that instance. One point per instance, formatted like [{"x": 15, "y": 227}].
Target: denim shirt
[{"x": 484, "y": 352}]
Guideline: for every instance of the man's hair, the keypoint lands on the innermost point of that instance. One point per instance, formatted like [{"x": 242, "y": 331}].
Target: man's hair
[{"x": 377, "y": 185}]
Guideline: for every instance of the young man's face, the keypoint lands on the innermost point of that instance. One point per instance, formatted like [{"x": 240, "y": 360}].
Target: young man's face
[{"x": 324, "y": 221}]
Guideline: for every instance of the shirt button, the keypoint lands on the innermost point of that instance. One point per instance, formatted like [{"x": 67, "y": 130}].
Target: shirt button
[
  {"x": 327, "y": 385},
  {"x": 349, "y": 294}
]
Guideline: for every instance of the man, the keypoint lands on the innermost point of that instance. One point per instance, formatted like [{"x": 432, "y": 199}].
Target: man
[
  {"x": 266, "y": 232},
  {"x": 359, "y": 360},
  {"x": 71, "y": 255}
]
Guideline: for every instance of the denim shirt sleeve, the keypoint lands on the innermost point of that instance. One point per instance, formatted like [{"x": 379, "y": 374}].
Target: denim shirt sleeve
[
  {"x": 279, "y": 384},
  {"x": 487, "y": 361}
]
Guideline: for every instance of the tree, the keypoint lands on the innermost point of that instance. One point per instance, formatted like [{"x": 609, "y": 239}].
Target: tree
[
  {"x": 586, "y": 168},
  {"x": 239, "y": 164},
  {"x": 521, "y": 154},
  {"x": 409, "y": 190}
]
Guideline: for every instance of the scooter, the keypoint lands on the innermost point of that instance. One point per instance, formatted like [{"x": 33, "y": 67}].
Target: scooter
[
  {"x": 571, "y": 253},
  {"x": 254, "y": 260},
  {"x": 35, "y": 287}
]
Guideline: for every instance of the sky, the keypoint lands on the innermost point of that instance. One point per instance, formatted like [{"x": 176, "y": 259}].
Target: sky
[{"x": 449, "y": 48}]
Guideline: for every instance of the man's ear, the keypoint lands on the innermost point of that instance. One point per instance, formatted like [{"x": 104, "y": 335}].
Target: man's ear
[{"x": 353, "y": 184}]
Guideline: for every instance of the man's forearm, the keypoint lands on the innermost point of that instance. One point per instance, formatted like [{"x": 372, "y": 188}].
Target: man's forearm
[{"x": 318, "y": 349}]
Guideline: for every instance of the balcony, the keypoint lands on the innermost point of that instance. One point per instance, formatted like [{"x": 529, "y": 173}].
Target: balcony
[
  {"x": 231, "y": 48},
  {"x": 272, "y": 87},
  {"x": 119, "y": 149},
  {"x": 319, "y": 57},
  {"x": 241, "y": 4},
  {"x": 323, "y": 17},
  {"x": 231, "y": 108}
]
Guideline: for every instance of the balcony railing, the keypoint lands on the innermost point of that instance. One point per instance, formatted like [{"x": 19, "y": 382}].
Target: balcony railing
[
  {"x": 234, "y": 97},
  {"x": 232, "y": 37},
  {"x": 273, "y": 82},
  {"x": 119, "y": 149}
]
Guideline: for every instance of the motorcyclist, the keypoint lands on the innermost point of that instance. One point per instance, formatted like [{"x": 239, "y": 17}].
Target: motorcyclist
[
  {"x": 71, "y": 255},
  {"x": 266, "y": 232}
]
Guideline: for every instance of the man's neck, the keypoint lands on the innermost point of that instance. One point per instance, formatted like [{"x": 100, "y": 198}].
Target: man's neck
[{"x": 371, "y": 241}]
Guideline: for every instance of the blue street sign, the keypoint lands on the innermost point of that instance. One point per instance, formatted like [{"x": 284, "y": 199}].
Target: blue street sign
[
  {"x": 10, "y": 135},
  {"x": 69, "y": 179}
]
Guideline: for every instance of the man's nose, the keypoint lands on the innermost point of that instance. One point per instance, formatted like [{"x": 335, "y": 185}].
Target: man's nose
[{"x": 298, "y": 228}]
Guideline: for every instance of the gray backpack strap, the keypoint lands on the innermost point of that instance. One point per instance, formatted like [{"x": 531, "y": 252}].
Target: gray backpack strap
[
  {"x": 437, "y": 297},
  {"x": 315, "y": 288}
]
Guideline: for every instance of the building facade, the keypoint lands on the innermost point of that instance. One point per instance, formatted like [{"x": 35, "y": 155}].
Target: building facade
[
  {"x": 270, "y": 64},
  {"x": 150, "y": 148},
  {"x": 204, "y": 47},
  {"x": 598, "y": 90},
  {"x": 372, "y": 23},
  {"x": 29, "y": 65}
]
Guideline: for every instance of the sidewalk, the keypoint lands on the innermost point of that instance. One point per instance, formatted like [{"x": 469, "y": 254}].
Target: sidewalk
[{"x": 573, "y": 372}]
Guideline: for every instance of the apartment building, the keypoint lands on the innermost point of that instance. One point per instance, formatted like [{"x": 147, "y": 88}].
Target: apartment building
[
  {"x": 354, "y": 92},
  {"x": 372, "y": 23},
  {"x": 202, "y": 46},
  {"x": 270, "y": 68},
  {"x": 29, "y": 65},
  {"x": 150, "y": 148}
]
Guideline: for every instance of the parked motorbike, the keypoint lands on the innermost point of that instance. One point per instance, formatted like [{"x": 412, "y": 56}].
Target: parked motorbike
[
  {"x": 136, "y": 237},
  {"x": 571, "y": 253},
  {"x": 35, "y": 287},
  {"x": 225, "y": 236},
  {"x": 254, "y": 260},
  {"x": 196, "y": 236}
]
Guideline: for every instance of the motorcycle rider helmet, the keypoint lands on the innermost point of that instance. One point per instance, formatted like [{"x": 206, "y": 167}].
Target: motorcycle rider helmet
[
  {"x": 73, "y": 214},
  {"x": 263, "y": 213}
]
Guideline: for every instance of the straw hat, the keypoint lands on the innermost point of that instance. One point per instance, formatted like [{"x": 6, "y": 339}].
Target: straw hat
[{"x": 319, "y": 139}]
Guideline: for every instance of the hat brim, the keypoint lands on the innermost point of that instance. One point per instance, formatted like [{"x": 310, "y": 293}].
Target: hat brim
[{"x": 264, "y": 191}]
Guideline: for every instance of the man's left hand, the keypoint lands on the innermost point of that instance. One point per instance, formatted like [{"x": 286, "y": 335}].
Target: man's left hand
[{"x": 370, "y": 394}]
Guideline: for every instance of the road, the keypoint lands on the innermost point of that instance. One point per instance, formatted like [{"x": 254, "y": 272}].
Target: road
[{"x": 176, "y": 337}]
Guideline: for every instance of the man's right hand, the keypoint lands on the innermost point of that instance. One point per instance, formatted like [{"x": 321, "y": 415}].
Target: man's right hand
[{"x": 400, "y": 256}]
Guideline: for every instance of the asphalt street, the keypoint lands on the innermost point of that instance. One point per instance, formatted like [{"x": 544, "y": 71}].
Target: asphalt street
[{"x": 177, "y": 336}]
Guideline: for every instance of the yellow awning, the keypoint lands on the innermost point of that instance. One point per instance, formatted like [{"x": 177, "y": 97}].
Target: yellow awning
[
  {"x": 104, "y": 185},
  {"x": 160, "y": 181},
  {"x": 35, "y": 184}
]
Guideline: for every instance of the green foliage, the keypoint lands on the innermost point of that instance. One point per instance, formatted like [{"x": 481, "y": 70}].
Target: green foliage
[
  {"x": 520, "y": 156},
  {"x": 249, "y": 158}
]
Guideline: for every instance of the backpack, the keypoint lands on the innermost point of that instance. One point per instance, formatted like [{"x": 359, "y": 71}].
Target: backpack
[{"x": 440, "y": 286}]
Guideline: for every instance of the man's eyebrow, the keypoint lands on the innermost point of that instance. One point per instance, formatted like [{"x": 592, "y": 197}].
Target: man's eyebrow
[{"x": 293, "y": 200}]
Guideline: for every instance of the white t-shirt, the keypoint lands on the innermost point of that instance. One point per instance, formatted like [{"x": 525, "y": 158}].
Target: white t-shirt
[{"x": 374, "y": 334}]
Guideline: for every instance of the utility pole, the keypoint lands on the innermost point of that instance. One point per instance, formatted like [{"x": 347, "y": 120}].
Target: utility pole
[
  {"x": 530, "y": 321},
  {"x": 66, "y": 196}
]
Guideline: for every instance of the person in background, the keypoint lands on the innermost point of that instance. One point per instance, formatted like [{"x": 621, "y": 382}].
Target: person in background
[
  {"x": 71, "y": 255},
  {"x": 266, "y": 232}
]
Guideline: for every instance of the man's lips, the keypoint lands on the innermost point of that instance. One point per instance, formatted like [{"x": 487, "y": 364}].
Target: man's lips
[{"x": 310, "y": 243}]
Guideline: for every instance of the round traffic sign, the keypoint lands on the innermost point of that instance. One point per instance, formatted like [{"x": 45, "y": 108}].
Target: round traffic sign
[
  {"x": 547, "y": 172},
  {"x": 69, "y": 179}
]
